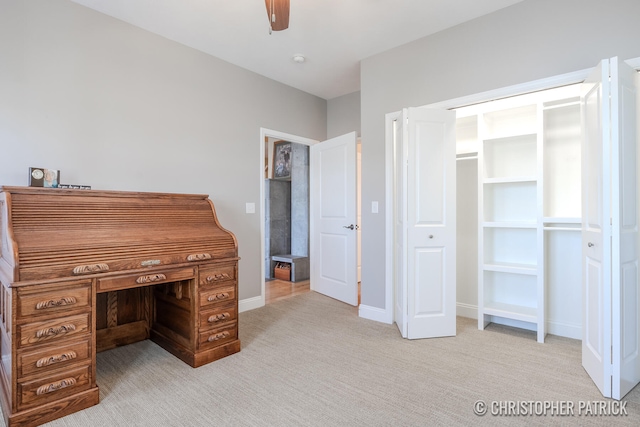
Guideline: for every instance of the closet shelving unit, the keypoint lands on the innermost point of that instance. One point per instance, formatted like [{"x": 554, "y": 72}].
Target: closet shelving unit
[
  {"x": 528, "y": 191},
  {"x": 510, "y": 237}
]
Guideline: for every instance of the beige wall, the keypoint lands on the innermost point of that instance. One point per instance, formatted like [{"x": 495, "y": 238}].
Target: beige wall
[
  {"x": 531, "y": 40},
  {"x": 343, "y": 115},
  {"x": 118, "y": 108}
]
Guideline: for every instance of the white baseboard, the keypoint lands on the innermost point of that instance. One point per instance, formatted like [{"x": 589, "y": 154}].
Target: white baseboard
[
  {"x": 553, "y": 328},
  {"x": 567, "y": 330},
  {"x": 467, "y": 310},
  {"x": 250, "y": 304},
  {"x": 374, "y": 313},
  {"x": 513, "y": 323}
]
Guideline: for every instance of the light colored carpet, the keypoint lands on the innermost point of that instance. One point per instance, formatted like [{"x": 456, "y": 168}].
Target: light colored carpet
[{"x": 311, "y": 361}]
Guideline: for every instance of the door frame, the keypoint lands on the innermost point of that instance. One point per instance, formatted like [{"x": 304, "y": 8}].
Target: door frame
[
  {"x": 387, "y": 315},
  {"x": 260, "y": 301},
  {"x": 257, "y": 302}
]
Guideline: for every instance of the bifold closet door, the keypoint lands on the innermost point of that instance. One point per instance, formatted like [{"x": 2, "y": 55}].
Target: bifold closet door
[
  {"x": 398, "y": 131},
  {"x": 431, "y": 223},
  {"x": 611, "y": 299}
]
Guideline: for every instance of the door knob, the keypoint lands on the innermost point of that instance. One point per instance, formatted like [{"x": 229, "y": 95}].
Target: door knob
[
  {"x": 590, "y": 244},
  {"x": 431, "y": 236},
  {"x": 350, "y": 227}
]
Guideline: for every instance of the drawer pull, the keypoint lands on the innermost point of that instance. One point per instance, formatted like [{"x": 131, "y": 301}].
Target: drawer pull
[
  {"x": 218, "y": 297},
  {"x": 216, "y": 277},
  {"x": 92, "y": 268},
  {"x": 55, "y": 303},
  {"x": 151, "y": 278},
  {"x": 219, "y": 336},
  {"x": 198, "y": 257},
  {"x": 47, "y": 361},
  {"x": 58, "y": 385},
  {"x": 218, "y": 317},
  {"x": 52, "y": 332}
]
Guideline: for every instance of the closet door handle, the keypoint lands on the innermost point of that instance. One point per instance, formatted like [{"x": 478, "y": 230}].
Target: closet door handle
[{"x": 590, "y": 244}]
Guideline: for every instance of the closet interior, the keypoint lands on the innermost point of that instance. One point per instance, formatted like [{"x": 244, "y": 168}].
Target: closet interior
[{"x": 519, "y": 212}]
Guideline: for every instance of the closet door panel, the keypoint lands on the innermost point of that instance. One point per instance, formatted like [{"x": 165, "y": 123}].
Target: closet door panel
[
  {"x": 625, "y": 304},
  {"x": 431, "y": 222},
  {"x": 596, "y": 319}
]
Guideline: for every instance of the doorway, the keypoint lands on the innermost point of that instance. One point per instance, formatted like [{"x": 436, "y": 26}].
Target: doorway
[
  {"x": 286, "y": 222},
  {"x": 268, "y": 162},
  {"x": 276, "y": 150}
]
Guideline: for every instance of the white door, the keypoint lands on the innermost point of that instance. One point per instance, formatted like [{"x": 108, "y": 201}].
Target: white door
[
  {"x": 431, "y": 223},
  {"x": 397, "y": 133},
  {"x": 625, "y": 293},
  {"x": 333, "y": 218},
  {"x": 611, "y": 300},
  {"x": 596, "y": 233}
]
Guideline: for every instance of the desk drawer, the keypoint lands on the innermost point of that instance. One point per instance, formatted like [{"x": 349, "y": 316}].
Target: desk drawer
[
  {"x": 219, "y": 336},
  {"x": 144, "y": 279},
  {"x": 212, "y": 275},
  {"x": 43, "y": 390},
  {"x": 58, "y": 300},
  {"x": 53, "y": 358},
  {"x": 53, "y": 330},
  {"x": 217, "y": 316},
  {"x": 217, "y": 295}
]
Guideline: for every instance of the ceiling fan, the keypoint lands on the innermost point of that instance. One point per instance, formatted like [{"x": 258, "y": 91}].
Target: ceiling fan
[{"x": 278, "y": 13}]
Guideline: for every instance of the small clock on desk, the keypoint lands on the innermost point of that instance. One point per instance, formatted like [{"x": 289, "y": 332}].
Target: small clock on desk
[{"x": 36, "y": 177}]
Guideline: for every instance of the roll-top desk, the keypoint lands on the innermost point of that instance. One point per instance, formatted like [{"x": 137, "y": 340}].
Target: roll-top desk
[{"x": 84, "y": 271}]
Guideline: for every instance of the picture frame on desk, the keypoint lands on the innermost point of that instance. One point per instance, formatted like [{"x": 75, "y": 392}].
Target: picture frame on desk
[
  {"x": 51, "y": 178},
  {"x": 282, "y": 160},
  {"x": 43, "y": 177}
]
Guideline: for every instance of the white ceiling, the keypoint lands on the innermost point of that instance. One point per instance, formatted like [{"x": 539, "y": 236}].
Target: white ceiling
[{"x": 333, "y": 35}]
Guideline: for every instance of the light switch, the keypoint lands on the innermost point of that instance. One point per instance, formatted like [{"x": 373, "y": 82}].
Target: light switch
[
  {"x": 374, "y": 207},
  {"x": 251, "y": 208}
]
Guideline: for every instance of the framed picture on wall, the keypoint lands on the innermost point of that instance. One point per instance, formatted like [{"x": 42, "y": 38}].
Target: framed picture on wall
[{"x": 281, "y": 160}]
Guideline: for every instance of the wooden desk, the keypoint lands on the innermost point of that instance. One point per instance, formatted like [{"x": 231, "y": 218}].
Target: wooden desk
[{"x": 85, "y": 271}]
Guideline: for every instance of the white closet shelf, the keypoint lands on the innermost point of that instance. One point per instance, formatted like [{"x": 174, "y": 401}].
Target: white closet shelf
[
  {"x": 504, "y": 267},
  {"x": 555, "y": 228},
  {"x": 509, "y": 179},
  {"x": 561, "y": 220},
  {"x": 561, "y": 104},
  {"x": 511, "y": 135},
  {"x": 562, "y": 224},
  {"x": 512, "y": 224},
  {"x": 511, "y": 311}
]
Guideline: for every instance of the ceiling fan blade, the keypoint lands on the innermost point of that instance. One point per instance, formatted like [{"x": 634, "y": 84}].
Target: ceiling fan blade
[{"x": 281, "y": 13}]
